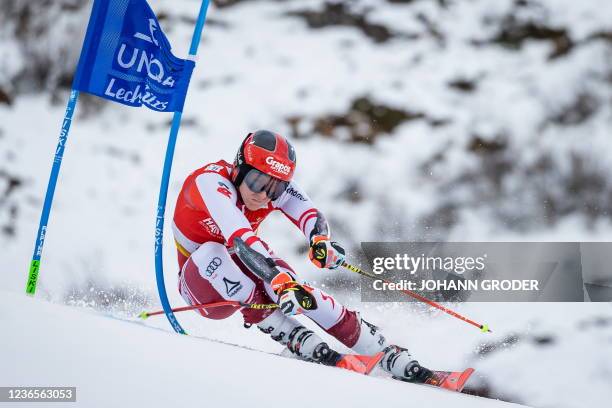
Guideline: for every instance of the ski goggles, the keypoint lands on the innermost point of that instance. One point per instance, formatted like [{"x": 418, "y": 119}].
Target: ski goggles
[{"x": 257, "y": 182}]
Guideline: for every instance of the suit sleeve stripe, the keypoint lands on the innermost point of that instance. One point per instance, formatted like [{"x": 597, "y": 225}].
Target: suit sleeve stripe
[
  {"x": 310, "y": 217},
  {"x": 251, "y": 240},
  {"x": 235, "y": 234},
  {"x": 306, "y": 213}
]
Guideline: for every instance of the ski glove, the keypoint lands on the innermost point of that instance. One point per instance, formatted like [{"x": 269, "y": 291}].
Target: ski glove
[
  {"x": 294, "y": 298},
  {"x": 325, "y": 253}
]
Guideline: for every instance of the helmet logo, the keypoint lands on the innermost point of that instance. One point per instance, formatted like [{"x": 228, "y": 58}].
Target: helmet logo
[{"x": 278, "y": 166}]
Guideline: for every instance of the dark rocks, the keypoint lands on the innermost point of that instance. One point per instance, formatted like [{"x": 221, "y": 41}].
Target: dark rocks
[
  {"x": 12, "y": 183},
  {"x": 5, "y": 98},
  {"x": 228, "y": 3},
  {"x": 48, "y": 68},
  {"x": 338, "y": 14},
  {"x": 514, "y": 33},
  {"x": 577, "y": 111},
  {"x": 463, "y": 85},
  {"x": 480, "y": 145},
  {"x": 365, "y": 120},
  {"x": 432, "y": 29}
]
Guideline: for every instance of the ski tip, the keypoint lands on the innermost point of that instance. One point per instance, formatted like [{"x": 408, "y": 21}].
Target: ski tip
[
  {"x": 455, "y": 381},
  {"x": 143, "y": 315},
  {"x": 468, "y": 371},
  {"x": 465, "y": 375}
]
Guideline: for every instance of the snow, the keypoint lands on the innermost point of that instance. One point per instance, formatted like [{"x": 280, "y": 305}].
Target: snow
[
  {"x": 251, "y": 75},
  {"x": 118, "y": 363}
]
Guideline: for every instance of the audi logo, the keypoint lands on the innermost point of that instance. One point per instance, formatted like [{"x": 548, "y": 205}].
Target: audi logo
[{"x": 214, "y": 264}]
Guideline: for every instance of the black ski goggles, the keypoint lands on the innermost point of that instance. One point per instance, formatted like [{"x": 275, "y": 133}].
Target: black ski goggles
[{"x": 257, "y": 182}]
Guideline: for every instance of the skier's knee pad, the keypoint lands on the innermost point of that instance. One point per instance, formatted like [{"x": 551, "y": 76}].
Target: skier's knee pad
[{"x": 370, "y": 340}]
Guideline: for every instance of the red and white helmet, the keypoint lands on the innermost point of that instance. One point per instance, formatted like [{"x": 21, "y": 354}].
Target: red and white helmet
[{"x": 267, "y": 152}]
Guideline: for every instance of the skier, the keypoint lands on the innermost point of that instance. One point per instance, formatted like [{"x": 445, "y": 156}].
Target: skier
[{"x": 222, "y": 204}]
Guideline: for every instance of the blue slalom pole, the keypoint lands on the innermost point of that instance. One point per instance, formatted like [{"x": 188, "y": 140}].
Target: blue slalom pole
[
  {"x": 44, "y": 217},
  {"x": 163, "y": 190}
]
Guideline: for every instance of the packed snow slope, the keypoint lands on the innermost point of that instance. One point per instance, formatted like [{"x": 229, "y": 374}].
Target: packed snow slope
[{"x": 118, "y": 363}]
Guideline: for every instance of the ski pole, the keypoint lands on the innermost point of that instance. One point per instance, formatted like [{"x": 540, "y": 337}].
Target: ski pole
[
  {"x": 483, "y": 327},
  {"x": 145, "y": 315}
]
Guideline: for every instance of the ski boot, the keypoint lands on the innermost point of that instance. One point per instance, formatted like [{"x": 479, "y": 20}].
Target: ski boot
[
  {"x": 399, "y": 363},
  {"x": 307, "y": 345}
]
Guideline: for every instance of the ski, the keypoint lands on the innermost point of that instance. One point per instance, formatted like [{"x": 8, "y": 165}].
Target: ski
[
  {"x": 449, "y": 380},
  {"x": 361, "y": 364}
]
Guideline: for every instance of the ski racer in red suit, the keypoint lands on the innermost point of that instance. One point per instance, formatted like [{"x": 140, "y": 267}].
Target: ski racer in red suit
[{"x": 221, "y": 204}]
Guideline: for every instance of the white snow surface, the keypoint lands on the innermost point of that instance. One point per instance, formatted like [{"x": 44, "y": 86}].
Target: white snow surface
[{"x": 118, "y": 363}]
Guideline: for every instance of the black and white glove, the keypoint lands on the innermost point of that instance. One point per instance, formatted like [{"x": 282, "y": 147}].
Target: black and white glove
[
  {"x": 294, "y": 298},
  {"x": 325, "y": 253}
]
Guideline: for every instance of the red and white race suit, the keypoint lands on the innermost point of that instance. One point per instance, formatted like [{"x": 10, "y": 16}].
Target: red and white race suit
[{"x": 209, "y": 215}]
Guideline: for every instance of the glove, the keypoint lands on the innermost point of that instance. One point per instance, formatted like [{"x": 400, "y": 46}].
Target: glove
[
  {"x": 325, "y": 253},
  {"x": 294, "y": 298}
]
